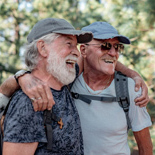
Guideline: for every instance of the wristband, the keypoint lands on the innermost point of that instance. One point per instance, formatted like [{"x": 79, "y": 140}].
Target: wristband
[{"x": 20, "y": 73}]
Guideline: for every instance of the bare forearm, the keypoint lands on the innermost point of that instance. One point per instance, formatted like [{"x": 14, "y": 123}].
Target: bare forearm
[
  {"x": 144, "y": 142},
  {"x": 146, "y": 150},
  {"x": 19, "y": 148},
  {"x": 9, "y": 86},
  {"x": 125, "y": 70}
]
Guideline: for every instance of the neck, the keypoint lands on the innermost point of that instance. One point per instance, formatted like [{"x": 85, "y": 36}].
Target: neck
[
  {"x": 47, "y": 78},
  {"x": 97, "y": 81}
]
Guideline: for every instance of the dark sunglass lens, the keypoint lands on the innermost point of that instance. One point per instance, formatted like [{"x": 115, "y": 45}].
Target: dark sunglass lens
[
  {"x": 109, "y": 46},
  {"x": 106, "y": 46},
  {"x": 116, "y": 46},
  {"x": 119, "y": 47},
  {"x": 122, "y": 46}
]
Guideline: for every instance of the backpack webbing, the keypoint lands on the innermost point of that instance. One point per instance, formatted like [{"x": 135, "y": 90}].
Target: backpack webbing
[
  {"x": 49, "y": 116},
  {"x": 122, "y": 95},
  {"x": 48, "y": 128}
]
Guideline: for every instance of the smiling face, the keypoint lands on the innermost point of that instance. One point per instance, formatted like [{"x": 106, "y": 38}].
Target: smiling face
[
  {"x": 100, "y": 61},
  {"x": 63, "y": 54}
]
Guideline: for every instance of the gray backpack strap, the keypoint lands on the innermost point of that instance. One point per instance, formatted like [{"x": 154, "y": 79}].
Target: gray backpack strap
[
  {"x": 89, "y": 98},
  {"x": 122, "y": 94}
]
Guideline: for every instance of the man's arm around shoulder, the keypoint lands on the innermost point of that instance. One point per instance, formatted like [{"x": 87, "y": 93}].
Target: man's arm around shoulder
[{"x": 9, "y": 86}]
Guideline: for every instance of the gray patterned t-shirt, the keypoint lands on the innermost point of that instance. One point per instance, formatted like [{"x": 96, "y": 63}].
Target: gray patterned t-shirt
[{"x": 23, "y": 125}]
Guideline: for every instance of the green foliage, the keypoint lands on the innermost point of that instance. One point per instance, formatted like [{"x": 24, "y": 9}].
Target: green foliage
[{"x": 135, "y": 19}]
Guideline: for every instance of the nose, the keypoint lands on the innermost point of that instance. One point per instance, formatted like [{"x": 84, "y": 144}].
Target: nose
[
  {"x": 112, "y": 51},
  {"x": 75, "y": 52}
]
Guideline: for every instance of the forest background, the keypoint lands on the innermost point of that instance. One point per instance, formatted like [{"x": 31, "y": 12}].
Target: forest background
[{"x": 133, "y": 18}]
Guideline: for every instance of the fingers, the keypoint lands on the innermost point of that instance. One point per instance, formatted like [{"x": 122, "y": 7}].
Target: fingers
[
  {"x": 35, "y": 105},
  {"x": 43, "y": 97},
  {"x": 36, "y": 89},
  {"x": 143, "y": 100},
  {"x": 38, "y": 92},
  {"x": 138, "y": 83},
  {"x": 51, "y": 101}
]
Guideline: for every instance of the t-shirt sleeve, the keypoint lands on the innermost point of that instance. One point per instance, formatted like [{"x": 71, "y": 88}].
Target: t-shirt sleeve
[
  {"x": 139, "y": 117},
  {"x": 22, "y": 124}
]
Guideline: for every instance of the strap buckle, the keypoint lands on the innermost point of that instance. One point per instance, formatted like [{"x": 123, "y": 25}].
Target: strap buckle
[
  {"x": 125, "y": 103},
  {"x": 75, "y": 95}
]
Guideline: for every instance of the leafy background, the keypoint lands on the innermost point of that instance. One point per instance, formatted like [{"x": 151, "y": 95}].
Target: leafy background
[{"x": 135, "y": 19}]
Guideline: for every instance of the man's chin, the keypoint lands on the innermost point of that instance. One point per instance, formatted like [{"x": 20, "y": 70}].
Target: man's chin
[{"x": 66, "y": 79}]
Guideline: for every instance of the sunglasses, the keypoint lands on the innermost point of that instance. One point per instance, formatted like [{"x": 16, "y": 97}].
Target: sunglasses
[{"x": 107, "y": 46}]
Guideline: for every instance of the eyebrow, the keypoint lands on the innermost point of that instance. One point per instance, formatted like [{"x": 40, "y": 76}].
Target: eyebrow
[{"x": 69, "y": 38}]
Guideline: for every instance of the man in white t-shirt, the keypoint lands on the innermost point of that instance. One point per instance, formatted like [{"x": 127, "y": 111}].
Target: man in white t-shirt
[{"x": 104, "y": 125}]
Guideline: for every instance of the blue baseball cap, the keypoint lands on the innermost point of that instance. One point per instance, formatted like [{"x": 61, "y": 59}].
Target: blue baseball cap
[{"x": 103, "y": 30}]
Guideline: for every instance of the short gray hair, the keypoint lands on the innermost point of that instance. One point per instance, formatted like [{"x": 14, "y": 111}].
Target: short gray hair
[{"x": 31, "y": 50}]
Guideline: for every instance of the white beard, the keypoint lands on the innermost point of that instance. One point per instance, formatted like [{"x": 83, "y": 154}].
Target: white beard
[{"x": 57, "y": 66}]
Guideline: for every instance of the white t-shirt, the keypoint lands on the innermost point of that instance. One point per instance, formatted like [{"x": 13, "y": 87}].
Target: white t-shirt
[{"x": 104, "y": 125}]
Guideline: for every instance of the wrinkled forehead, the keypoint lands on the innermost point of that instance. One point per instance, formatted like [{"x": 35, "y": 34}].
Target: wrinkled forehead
[{"x": 68, "y": 37}]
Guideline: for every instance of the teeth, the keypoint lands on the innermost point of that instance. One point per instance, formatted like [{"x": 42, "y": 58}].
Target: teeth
[
  {"x": 108, "y": 61},
  {"x": 71, "y": 61}
]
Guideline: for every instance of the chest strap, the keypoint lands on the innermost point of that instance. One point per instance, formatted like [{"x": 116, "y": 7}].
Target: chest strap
[
  {"x": 89, "y": 98},
  {"x": 122, "y": 95}
]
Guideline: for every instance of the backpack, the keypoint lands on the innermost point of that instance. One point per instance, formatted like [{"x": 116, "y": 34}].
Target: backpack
[{"x": 122, "y": 95}]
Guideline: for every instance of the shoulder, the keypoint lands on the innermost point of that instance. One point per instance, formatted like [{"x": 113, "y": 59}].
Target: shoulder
[
  {"x": 131, "y": 88},
  {"x": 19, "y": 96},
  {"x": 22, "y": 121},
  {"x": 21, "y": 108},
  {"x": 139, "y": 117},
  {"x": 20, "y": 101}
]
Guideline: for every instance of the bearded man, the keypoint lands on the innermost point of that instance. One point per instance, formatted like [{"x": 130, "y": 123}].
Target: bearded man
[{"x": 51, "y": 54}]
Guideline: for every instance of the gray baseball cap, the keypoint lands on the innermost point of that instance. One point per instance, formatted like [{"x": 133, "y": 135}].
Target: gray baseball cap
[
  {"x": 55, "y": 25},
  {"x": 103, "y": 30}
]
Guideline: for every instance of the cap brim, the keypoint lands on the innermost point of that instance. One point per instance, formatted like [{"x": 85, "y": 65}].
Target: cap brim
[
  {"x": 121, "y": 38},
  {"x": 82, "y": 36}
]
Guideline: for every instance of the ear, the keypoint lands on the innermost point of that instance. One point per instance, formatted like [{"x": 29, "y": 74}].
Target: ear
[
  {"x": 41, "y": 48},
  {"x": 83, "y": 50}
]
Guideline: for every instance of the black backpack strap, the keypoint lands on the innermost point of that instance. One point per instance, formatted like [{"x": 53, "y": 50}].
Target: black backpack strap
[
  {"x": 49, "y": 116},
  {"x": 122, "y": 94},
  {"x": 89, "y": 98},
  {"x": 48, "y": 128}
]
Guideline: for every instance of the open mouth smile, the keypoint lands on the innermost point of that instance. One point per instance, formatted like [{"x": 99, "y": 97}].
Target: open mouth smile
[
  {"x": 108, "y": 61},
  {"x": 71, "y": 62}
]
